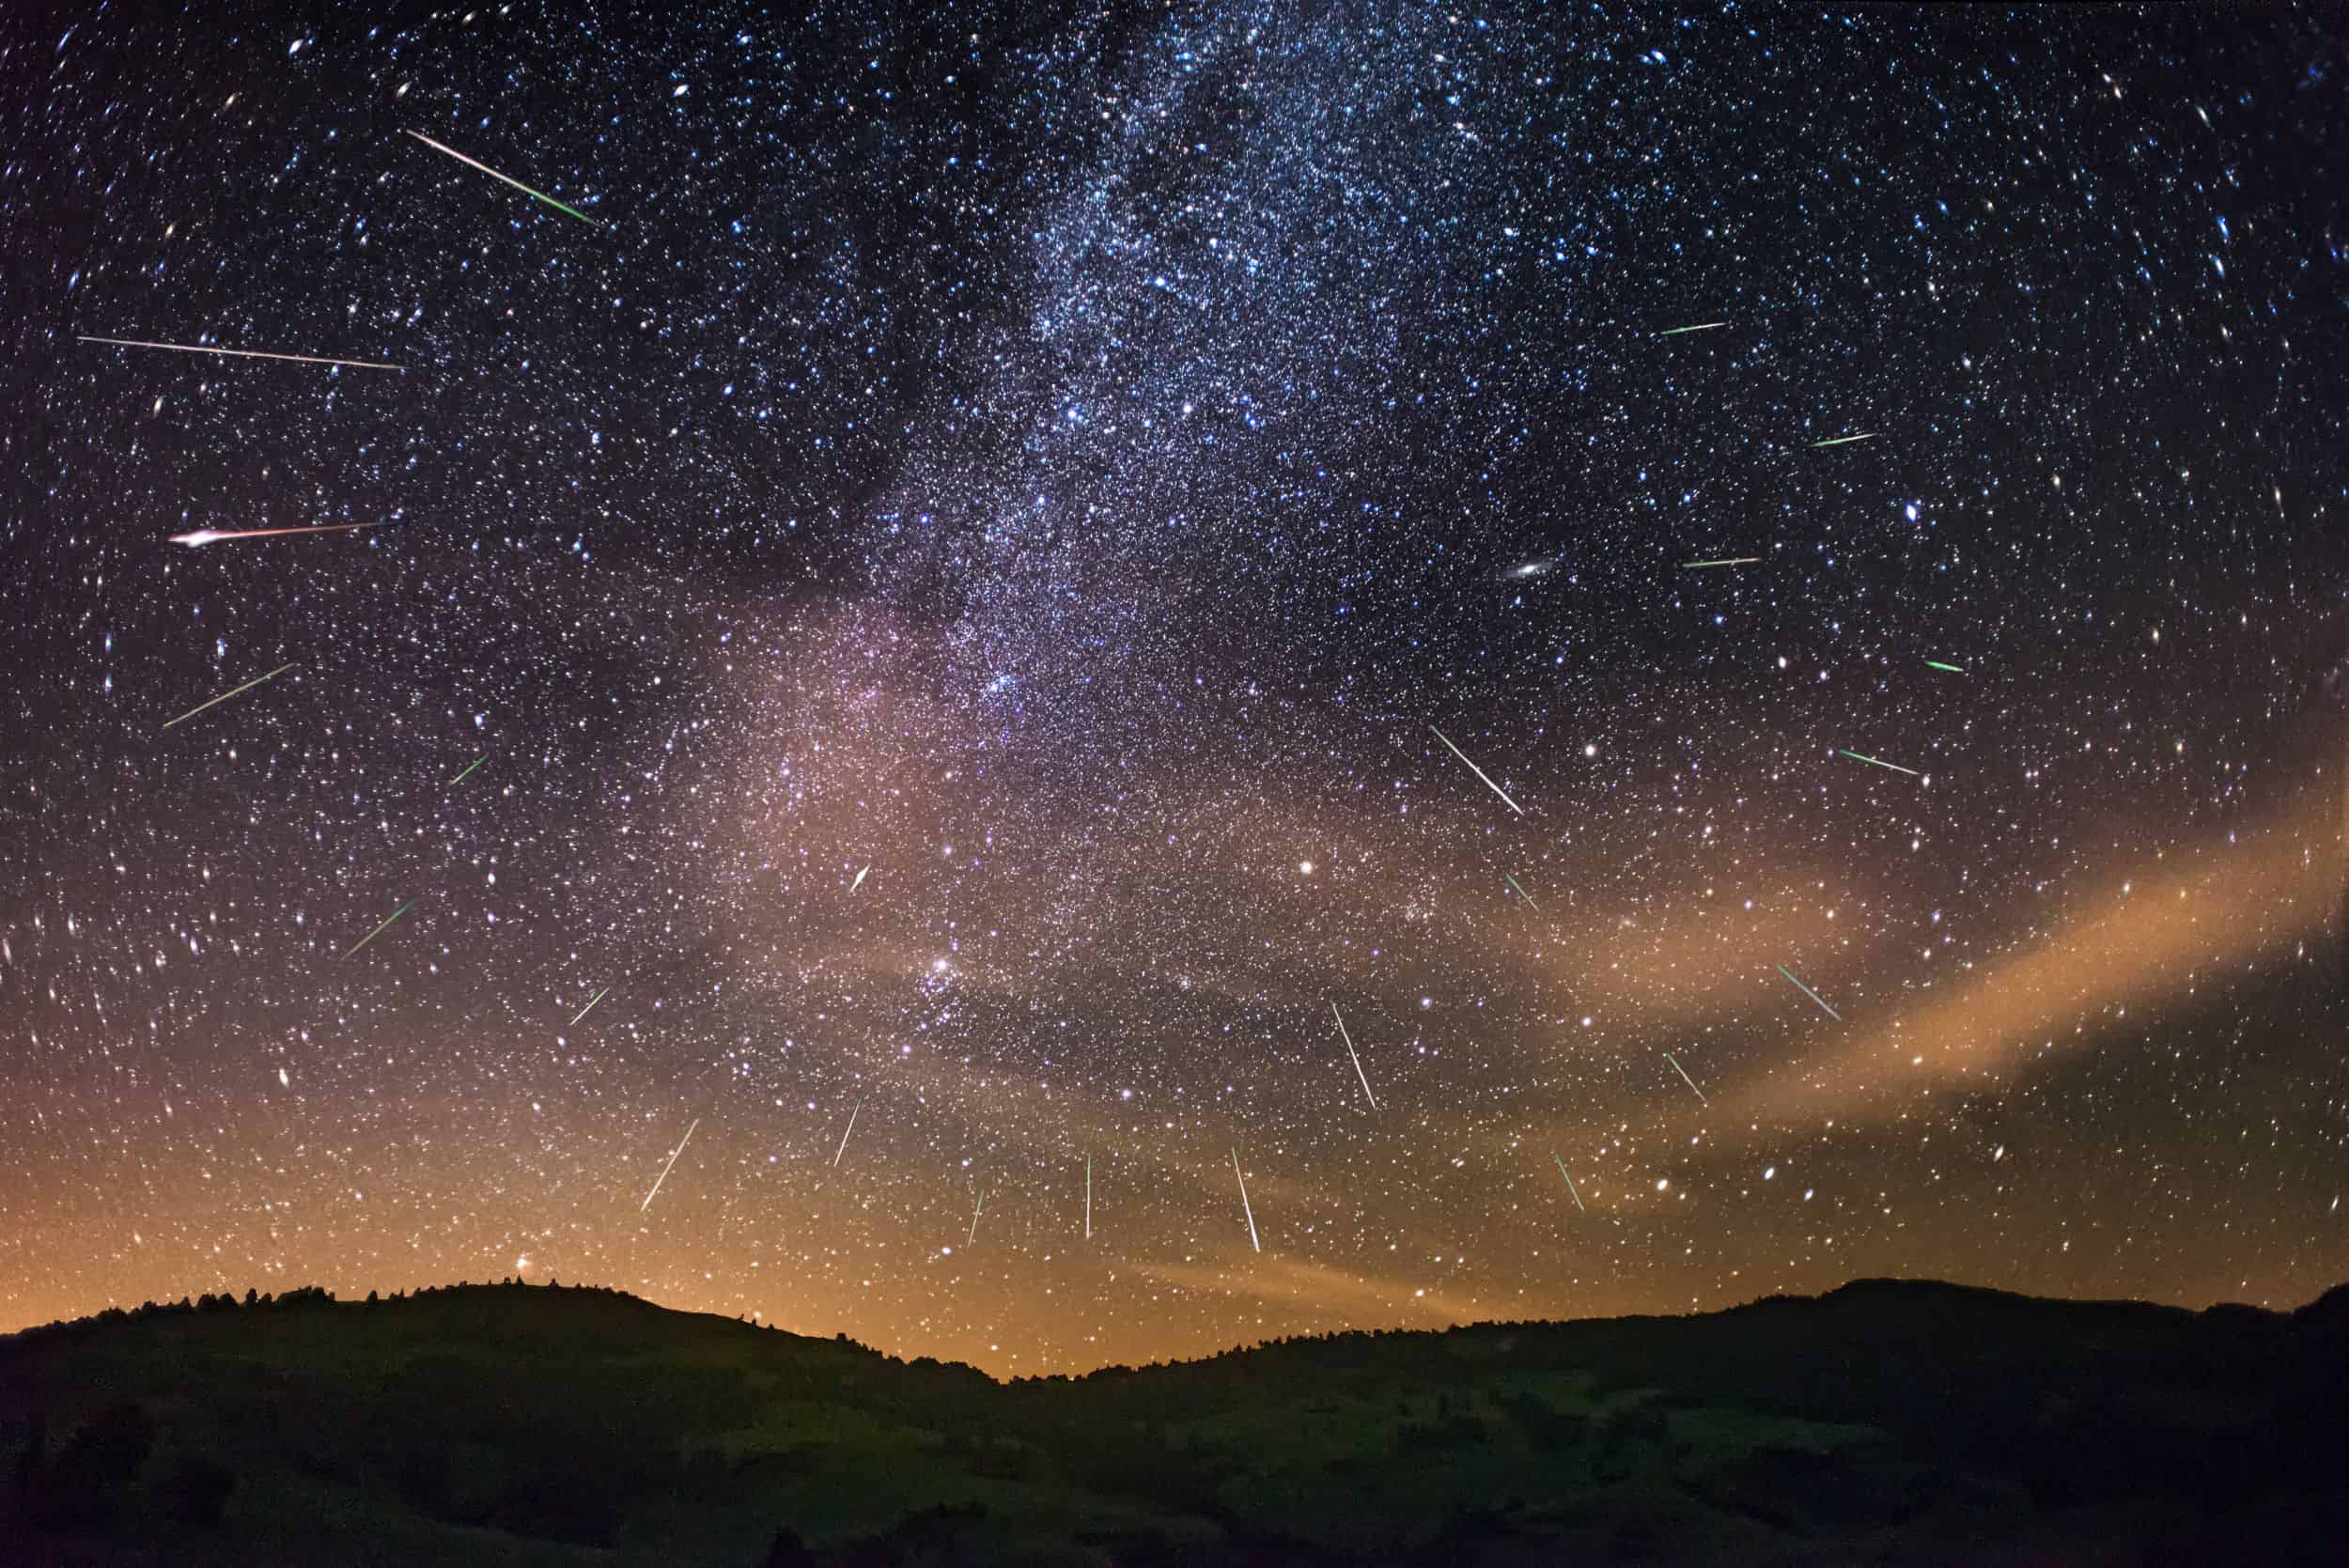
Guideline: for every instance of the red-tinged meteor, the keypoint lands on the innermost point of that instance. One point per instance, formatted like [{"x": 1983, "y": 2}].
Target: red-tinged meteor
[{"x": 208, "y": 535}]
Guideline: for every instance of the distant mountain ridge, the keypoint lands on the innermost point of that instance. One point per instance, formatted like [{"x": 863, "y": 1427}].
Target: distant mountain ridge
[{"x": 1887, "y": 1420}]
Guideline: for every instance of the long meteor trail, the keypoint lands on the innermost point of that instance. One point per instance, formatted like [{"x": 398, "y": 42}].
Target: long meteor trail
[
  {"x": 1088, "y": 1197},
  {"x": 1937, "y": 665},
  {"x": 225, "y": 696},
  {"x": 380, "y": 929},
  {"x": 1578, "y": 1197},
  {"x": 469, "y": 767},
  {"x": 1881, "y": 763},
  {"x": 590, "y": 1007},
  {"x": 1244, "y": 1203},
  {"x": 1808, "y": 992},
  {"x": 241, "y": 353},
  {"x": 974, "y": 1221},
  {"x": 1735, "y": 561},
  {"x": 1478, "y": 771},
  {"x": 1685, "y": 1079},
  {"x": 1522, "y": 893},
  {"x": 671, "y": 1166},
  {"x": 1699, "y": 327},
  {"x": 207, "y": 535},
  {"x": 518, "y": 185},
  {"x": 844, "y": 1137},
  {"x": 1350, "y": 1050},
  {"x": 1845, "y": 441}
]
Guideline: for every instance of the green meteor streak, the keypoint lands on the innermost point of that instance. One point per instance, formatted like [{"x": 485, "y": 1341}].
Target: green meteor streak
[
  {"x": 1562, "y": 1171},
  {"x": 494, "y": 175},
  {"x": 1937, "y": 665},
  {"x": 1738, "y": 561},
  {"x": 225, "y": 696},
  {"x": 1522, "y": 893},
  {"x": 1893, "y": 765},
  {"x": 380, "y": 929},
  {"x": 469, "y": 767},
  {"x": 1806, "y": 991},
  {"x": 1843, "y": 440},
  {"x": 1701, "y": 326}
]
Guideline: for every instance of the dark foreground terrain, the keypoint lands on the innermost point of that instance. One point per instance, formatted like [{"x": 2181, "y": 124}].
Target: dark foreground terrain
[{"x": 1885, "y": 1423}]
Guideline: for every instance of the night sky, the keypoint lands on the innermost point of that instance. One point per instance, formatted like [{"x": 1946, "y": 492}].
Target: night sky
[{"x": 956, "y": 571}]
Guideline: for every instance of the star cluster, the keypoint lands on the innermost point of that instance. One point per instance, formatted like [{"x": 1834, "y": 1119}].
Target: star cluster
[{"x": 906, "y": 607}]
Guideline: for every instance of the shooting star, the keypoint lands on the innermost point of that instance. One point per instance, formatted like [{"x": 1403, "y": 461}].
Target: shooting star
[
  {"x": 844, "y": 1137},
  {"x": 1811, "y": 994},
  {"x": 1685, "y": 1079},
  {"x": 1478, "y": 771},
  {"x": 1735, "y": 561},
  {"x": 469, "y": 767},
  {"x": 1699, "y": 327},
  {"x": 241, "y": 353},
  {"x": 1937, "y": 665},
  {"x": 225, "y": 696},
  {"x": 589, "y": 1008},
  {"x": 1350, "y": 1050},
  {"x": 1522, "y": 893},
  {"x": 1844, "y": 440},
  {"x": 1578, "y": 1197},
  {"x": 671, "y": 1166},
  {"x": 860, "y": 880},
  {"x": 380, "y": 929},
  {"x": 974, "y": 1220},
  {"x": 1088, "y": 1197},
  {"x": 1880, "y": 763},
  {"x": 494, "y": 175},
  {"x": 1244, "y": 1203},
  {"x": 207, "y": 535}
]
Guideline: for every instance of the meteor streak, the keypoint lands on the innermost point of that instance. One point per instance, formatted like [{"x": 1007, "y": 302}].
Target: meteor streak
[
  {"x": 1478, "y": 771},
  {"x": 1522, "y": 893},
  {"x": 380, "y": 929},
  {"x": 974, "y": 1220},
  {"x": 1350, "y": 1050},
  {"x": 1845, "y": 441},
  {"x": 1893, "y": 765},
  {"x": 590, "y": 1007},
  {"x": 1699, "y": 327},
  {"x": 225, "y": 696},
  {"x": 494, "y": 175},
  {"x": 1088, "y": 1197},
  {"x": 1738, "y": 561},
  {"x": 1806, "y": 991},
  {"x": 844, "y": 1137},
  {"x": 1685, "y": 1079},
  {"x": 1562, "y": 1171},
  {"x": 207, "y": 535},
  {"x": 1939, "y": 665},
  {"x": 469, "y": 767},
  {"x": 241, "y": 353},
  {"x": 860, "y": 880},
  {"x": 671, "y": 1166},
  {"x": 1244, "y": 1203}
]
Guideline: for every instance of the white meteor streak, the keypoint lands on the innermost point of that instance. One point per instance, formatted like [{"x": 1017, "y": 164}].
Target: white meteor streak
[
  {"x": 475, "y": 163},
  {"x": 666, "y": 1168},
  {"x": 241, "y": 353},
  {"x": 1088, "y": 1197},
  {"x": 590, "y": 1007},
  {"x": 207, "y": 535},
  {"x": 1244, "y": 1203},
  {"x": 844, "y": 1137},
  {"x": 1350, "y": 1052},
  {"x": 1685, "y": 1078},
  {"x": 1478, "y": 771},
  {"x": 974, "y": 1220},
  {"x": 860, "y": 880}
]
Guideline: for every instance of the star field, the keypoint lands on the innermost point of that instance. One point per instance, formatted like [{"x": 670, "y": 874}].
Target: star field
[{"x": 933, "y": 605}]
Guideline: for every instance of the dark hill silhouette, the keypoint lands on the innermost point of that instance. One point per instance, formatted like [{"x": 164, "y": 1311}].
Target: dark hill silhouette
[{"x": 1889, "y": 1422}]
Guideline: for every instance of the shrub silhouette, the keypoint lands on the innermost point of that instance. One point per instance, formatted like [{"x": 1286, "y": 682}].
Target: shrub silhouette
[
  {"x": 196, "y": 1488},
  {"x": 83, "y": 1483}
]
